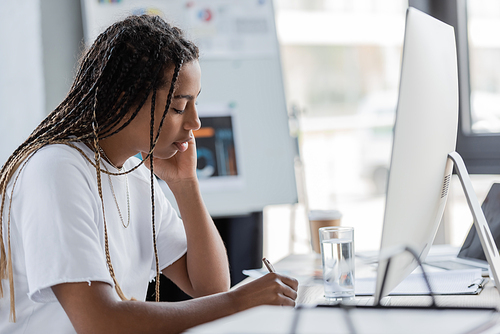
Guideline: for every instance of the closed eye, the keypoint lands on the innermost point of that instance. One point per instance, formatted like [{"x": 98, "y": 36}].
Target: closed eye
[{"x": 177, "y": 111}]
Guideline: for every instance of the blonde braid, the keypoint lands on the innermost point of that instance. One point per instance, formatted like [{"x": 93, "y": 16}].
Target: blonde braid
[
  {"x": 12, "y": 313},
  {"x": 97, "y": 157},
  {"x": 6, "y": 173}
]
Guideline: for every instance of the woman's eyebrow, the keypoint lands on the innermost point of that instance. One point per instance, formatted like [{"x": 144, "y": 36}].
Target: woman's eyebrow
[{"x": 187, "y": 97}]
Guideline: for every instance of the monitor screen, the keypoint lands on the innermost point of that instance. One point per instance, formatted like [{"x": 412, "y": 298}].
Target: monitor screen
[{"x": 425, "y": 132}]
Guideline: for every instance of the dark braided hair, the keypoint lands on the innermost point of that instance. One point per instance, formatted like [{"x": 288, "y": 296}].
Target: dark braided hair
[{"x": 125, "y": 65}]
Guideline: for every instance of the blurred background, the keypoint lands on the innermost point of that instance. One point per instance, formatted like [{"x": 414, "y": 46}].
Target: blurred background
[{"x": 340, "y": 63}]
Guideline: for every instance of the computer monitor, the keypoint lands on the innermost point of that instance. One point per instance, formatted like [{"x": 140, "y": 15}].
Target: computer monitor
[{"x": 425, "y": 132}]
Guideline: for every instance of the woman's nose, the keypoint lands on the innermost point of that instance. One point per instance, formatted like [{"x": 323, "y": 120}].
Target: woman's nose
[{"x": 193, "y": 121}]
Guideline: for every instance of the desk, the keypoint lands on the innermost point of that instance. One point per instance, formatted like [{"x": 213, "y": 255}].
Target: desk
[{"x": 305, "y": 267}]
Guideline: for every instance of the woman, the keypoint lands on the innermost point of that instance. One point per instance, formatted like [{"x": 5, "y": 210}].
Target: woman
[{"x": 84, "y": 224}]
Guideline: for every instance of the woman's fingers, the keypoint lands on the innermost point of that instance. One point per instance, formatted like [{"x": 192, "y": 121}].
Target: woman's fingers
[
  {"x": 291, "y": 294},
  {"x": 286, "y": 289},
  {"x": 271, "y": 289},
  {"x": 290, "y": 282}
]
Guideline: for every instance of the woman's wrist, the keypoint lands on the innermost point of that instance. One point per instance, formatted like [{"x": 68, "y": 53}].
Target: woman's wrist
[
  {"x": 180, "y": 186},
  {"x": 236, "y": 301},
  {"x": 187, "y": 194}
]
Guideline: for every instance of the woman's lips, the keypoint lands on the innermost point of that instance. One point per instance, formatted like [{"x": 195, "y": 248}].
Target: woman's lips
[{"x": 182, "y": 146}]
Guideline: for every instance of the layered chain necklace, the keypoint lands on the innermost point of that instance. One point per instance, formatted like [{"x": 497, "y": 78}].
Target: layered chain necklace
[{"x": 113, "y": 190}]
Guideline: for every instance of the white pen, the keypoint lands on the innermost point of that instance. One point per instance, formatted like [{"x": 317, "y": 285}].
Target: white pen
[{"x": 268, "y": 265}]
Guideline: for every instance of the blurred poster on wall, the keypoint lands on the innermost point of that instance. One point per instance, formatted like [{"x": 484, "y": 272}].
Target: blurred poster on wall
[
  {"x": 100, "y": 14},
  {"x": 217, "y": 153},
  {"x": 223, "y": 30},
  {"x": 220, "y": 28}
]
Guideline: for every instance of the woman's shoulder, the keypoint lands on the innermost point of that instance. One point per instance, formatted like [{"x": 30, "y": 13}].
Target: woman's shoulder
[
  {"x": 53, "y": 163},
  {"x": 57, "y": 159},
  {"x": 58, "y": 153}
]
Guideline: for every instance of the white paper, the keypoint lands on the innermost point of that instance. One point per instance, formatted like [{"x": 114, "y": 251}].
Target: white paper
[{"x": 442, "y": 283}]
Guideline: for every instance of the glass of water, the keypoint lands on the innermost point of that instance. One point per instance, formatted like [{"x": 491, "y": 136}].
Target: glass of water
[{"x": 337, "y": 255}]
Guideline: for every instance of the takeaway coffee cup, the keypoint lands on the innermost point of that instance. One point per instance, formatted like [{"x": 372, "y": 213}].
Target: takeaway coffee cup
[{"x": 322, "y": 218}]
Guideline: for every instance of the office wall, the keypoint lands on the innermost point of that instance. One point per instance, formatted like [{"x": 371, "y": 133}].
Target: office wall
[
  {"x": 22, "y": 97},
  {"x": 62, "y": 41},
  {"x": 40, "y": 43}
]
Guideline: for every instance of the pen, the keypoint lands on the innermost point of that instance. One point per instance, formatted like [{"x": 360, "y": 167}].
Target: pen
[
  {"x": 478, "y": 282},
  {"x": 268, "y": 265}
]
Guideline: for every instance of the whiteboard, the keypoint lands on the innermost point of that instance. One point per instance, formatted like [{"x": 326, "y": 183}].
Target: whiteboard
[{"x": 241, "y": 76}]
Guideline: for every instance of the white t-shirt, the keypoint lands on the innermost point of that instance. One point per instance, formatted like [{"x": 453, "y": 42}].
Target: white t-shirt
[{"x": 57, "y": 234}]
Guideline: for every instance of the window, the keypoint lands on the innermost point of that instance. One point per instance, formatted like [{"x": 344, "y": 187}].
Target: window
[
  {"x": 341, "y": 62},
  {"x": 483, "y": 24},
  {"x": 476, "y": 23}
]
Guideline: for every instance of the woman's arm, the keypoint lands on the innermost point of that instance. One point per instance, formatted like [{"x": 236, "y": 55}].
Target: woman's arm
[
  {"x": 95, "y": 309},
  {"x": 204, "y": 269}
]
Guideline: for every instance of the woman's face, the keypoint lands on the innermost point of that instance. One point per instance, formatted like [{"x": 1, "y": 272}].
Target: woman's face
[{"x": 181, "y": 119}]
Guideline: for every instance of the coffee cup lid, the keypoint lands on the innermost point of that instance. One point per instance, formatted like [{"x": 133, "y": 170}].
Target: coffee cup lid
[{"x": 324, "y": 214}]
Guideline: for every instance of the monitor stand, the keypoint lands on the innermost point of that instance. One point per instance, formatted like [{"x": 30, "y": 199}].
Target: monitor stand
[{"x": 482, "y": 228}]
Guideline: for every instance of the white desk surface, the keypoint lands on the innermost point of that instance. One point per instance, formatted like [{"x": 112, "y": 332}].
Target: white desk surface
[{"x": 307, "y": 266}]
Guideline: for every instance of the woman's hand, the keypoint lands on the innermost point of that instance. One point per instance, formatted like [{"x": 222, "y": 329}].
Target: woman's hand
[
  {"x": 271, "y": 289},
  {"x": 180, "y": 167}
]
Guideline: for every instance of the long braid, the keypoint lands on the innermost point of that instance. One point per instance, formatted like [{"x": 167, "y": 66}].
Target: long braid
[
  {"x": 123, "y": 66},
  {"x": 12, "y": 315},
  {"x": 169, "y": 99},
  {"x": 152, "y": 175},
  {"x": 152, "y": 143},
  {"x": 97, "y": 157}
]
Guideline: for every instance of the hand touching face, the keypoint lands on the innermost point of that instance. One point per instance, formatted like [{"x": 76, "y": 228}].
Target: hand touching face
[
  {"x": 175, "y": 151},
  {"x": 181, "y": 119}
]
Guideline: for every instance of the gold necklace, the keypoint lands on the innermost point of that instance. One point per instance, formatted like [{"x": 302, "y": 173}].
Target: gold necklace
[{"x": 113, "y": 190}]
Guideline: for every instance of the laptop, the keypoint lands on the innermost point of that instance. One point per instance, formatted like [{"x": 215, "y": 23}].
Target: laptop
[{"x": 471, "y": 253}]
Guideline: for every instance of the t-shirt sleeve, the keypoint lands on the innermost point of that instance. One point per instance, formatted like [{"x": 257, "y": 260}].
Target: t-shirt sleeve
[
  {"x": 57, "y": 213},
  {"x": 171, "y": 240}
]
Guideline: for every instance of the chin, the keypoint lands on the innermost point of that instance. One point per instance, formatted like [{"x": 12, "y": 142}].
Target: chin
[{"x": 164, "y": 155}]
